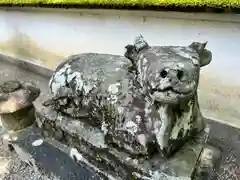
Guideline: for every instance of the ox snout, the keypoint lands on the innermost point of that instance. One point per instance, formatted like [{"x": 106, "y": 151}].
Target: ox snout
[{"x": 173, "y": 84}]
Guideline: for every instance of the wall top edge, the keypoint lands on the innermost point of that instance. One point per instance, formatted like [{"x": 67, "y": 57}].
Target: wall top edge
[{"x": 223, "y": 17}]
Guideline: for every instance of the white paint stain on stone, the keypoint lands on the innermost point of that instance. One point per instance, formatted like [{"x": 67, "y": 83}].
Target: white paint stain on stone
[
  {"x": 195, "y": 61},
  {"x": 135, "y": 161},
  {"x": 131, "y": 127},
  {"x": 113, "y": 99},
  {"x": 142, "y": 139},
  {"x": 75, "y": 155},
  {"x": 138, "y": 119},
  {"x": 128, "y": 159},
  {"x": 114, "y": 88},
  {"x": 120, "y": 110},
  {"x": 145, "y": 61},
  {"x": 59, "y": 79},
  {"x": 37, "y": 142},
  {"x": 104, "y": 128},
  {"x": 183, "y": 123},
  {"x": 87, "y": 88},
  {"x": 161, "y": 126},
  {"x": 181, "y": 65},
  {"x": 180, "y": 52}
]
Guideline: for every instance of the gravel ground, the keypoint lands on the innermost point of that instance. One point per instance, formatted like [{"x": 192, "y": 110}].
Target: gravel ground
[{"x": 19, "y": 170}]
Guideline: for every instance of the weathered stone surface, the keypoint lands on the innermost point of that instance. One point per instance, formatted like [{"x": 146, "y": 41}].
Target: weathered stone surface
[
  {"x": 149, "y": 98},
  {"x": 90, "y": 143},
  {"x": 98, "y": 87},
  {"x": 16, "y": 104},
  {"x": 84, "y": 79},
  {"x": 169, "y": 76},
  {"x": 16, "y": 95}
]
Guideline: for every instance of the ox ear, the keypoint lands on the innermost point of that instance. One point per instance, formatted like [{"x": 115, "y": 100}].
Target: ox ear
[
  {"x": 140, "y": 43},
  {"x": 204, "y": 54},
  {"x": 131, "y": 51}
]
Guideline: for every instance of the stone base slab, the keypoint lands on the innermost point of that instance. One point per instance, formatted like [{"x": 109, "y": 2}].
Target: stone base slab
[
  {"x": 89, "y": 143},
  {"x": 37, "y": 152}
]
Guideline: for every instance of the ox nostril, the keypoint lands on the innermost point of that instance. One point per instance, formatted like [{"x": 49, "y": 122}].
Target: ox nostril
[
  {"x": 163, "y": 73},
  {"x": 180, "y": 74}
]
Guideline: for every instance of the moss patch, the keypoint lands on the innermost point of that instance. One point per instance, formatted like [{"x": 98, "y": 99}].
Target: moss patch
[{"x": 161, "y": 3}]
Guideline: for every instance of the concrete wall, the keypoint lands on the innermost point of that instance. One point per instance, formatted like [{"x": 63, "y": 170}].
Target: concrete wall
[{"x": 46, "y": 37}]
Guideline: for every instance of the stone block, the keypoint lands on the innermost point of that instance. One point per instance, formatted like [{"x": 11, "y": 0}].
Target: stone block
[
  {"x": 37, "y": 152},
  {"x": 110, "y": 161}
]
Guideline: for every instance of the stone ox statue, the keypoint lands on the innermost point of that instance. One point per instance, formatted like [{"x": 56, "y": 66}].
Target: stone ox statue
[{"x": 143, "y": 102}]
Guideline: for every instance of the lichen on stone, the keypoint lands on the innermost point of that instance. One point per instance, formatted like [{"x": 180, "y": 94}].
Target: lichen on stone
[{"x": 148, "y": 96}]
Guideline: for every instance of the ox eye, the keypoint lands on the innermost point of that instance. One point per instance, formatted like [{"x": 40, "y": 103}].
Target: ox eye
[{"x": 163, "y": 73}]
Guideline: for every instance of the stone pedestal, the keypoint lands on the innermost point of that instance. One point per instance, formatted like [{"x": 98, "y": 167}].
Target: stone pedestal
[
  {"x": 19, "y": 119},
  {"x": 112, "y": 162},
  {"x": 16, "y": 105}
]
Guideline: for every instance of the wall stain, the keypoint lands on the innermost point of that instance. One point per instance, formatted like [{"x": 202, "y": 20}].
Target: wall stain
[
  {"x": 219, "y": 100},
  {"x": 22, "y": 46}
]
